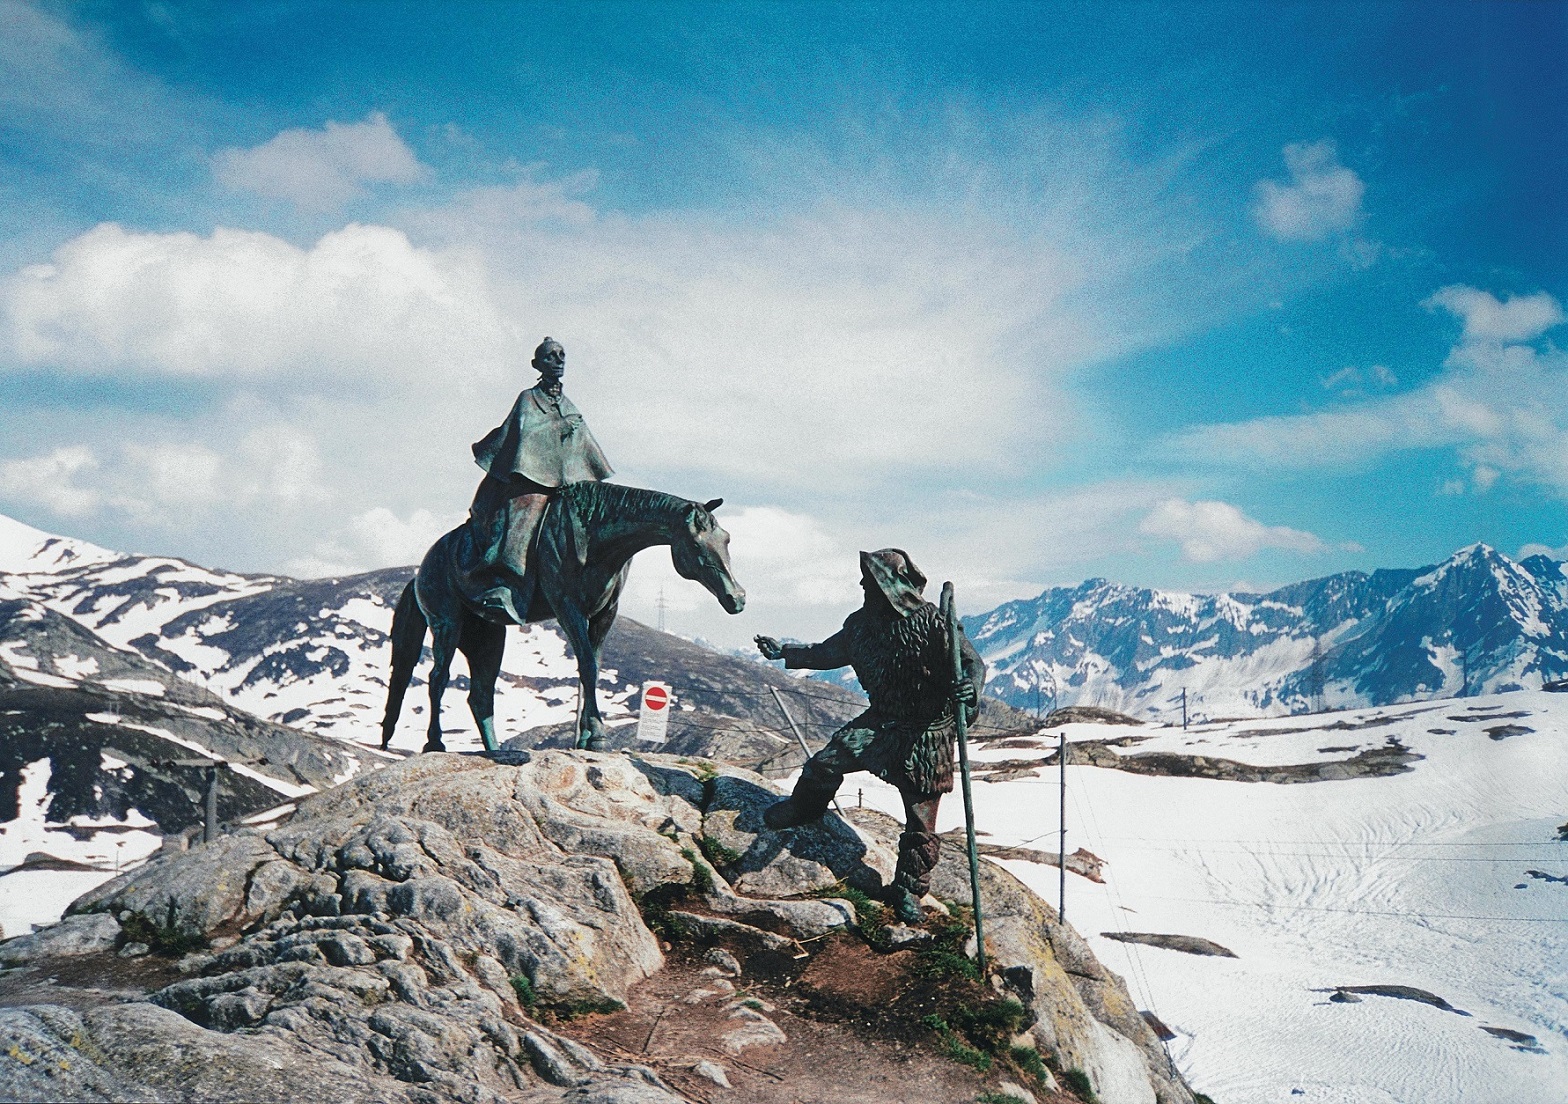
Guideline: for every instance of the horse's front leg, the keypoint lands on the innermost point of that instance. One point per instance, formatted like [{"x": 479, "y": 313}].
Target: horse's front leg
[{"x": 590, "y": 727}]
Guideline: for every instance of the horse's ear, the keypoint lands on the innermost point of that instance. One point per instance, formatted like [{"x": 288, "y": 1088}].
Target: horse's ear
[{"x": 713, "y": 505}]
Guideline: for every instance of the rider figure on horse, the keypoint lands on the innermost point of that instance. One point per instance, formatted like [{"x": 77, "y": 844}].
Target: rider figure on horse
[{"x": 543, "y": 445}]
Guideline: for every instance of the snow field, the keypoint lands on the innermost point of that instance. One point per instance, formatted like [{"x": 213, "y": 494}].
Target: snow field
[{"x": 1401, "y": 880}]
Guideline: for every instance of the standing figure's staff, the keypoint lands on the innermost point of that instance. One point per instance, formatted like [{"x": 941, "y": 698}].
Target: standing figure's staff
[{"x": 959, "y": 719}]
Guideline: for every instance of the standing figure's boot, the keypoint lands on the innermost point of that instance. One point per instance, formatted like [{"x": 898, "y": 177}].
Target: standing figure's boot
[
  {"x": 917, "y": 857},
  {"x": 809, "y": 801}
]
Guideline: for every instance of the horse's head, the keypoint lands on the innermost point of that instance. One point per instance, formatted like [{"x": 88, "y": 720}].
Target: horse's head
[{"x": 702, "y": 553}]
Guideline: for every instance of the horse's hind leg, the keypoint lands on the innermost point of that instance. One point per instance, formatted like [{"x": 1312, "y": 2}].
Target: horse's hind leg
[
  {"x": 444, "y": 638},
  {"x": 483, "y": 645},
  {"x": 408, "y": 638}
]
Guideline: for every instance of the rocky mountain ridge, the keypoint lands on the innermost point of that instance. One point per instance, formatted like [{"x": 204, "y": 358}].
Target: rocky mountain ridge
[{"x": 1477, "y": 623}]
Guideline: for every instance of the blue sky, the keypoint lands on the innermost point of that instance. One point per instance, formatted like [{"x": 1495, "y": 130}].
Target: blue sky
[{"x": 1193, "y": 295}]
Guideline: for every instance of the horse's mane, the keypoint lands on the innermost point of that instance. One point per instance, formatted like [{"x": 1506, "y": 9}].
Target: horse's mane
[{"x": 595, "y": 502}]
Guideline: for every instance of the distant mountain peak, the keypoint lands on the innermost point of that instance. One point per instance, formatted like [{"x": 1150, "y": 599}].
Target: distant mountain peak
[{"x": 1478, "y": 622}]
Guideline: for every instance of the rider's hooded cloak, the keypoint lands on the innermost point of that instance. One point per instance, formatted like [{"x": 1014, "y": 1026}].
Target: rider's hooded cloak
[{"x": 545, "y": 440}]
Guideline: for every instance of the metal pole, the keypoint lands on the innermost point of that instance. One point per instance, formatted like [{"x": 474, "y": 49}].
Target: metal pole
[
  {"x": 209, "y": 831},
  {"x": 962, "y": 724},
  {"x": 784, "y": 709},
  {"x": 1184, "y": 709},
  {"x": 1061, "y": 847}
]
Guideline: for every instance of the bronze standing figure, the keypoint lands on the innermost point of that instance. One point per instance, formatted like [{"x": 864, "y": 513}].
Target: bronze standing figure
[{"x": 898, "y": 645}]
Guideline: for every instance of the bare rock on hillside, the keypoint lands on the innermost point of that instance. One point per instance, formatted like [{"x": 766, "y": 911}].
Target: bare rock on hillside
[{"x": 425, "y": 934}]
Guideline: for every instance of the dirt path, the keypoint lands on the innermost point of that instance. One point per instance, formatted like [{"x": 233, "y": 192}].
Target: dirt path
[{"x": 843, "y": 1028}]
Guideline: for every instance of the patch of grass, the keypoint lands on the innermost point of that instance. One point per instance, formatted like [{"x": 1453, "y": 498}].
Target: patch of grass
[
  {"x": 756, "y": 1005},
  {"x": 716, "y": 853},
  {"x": 1078, "y": 1081},
  {"x": 1205, "y": 1098},
  {"x": 934, "y": 963},
  {"x": 701, "y": 876},
  {"x": 954, "y": 1047},
  {"x": 572, "y": 1010},
  {"x": 1028, "y": 1059},
  {"x": 991, "y": 1025},
  {"x": 523, "y": 986},
  {"x": 870, "y": 915},
  {"x": 168, "y": 939},
  {"x": 998, "y": 1098},
  {"x": 655, "y": 906}
]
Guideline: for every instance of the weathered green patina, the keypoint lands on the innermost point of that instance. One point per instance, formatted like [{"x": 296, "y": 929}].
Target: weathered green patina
[{"x": 898, "y": 645}]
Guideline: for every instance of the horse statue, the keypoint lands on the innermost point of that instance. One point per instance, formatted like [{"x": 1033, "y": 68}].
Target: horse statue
[{"x": 585, "y": 544}]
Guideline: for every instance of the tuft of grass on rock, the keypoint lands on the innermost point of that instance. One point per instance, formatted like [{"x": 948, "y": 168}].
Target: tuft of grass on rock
[
  {"x": 998, "y": 1098},
  {"x": 575, "y": 1010},
  {"x": 717, "y": 854},
  {"x": 1078, "y": 1081},
  {"x": 1028, "y": 1059},
  {"x": 701, "y": 876},
  {"x": 523, "y": 986}
]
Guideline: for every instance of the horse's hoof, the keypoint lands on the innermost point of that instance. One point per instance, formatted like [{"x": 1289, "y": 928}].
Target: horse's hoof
[
  {"x": 594, "y": 743},
  {"x": 434, "y": 745}
]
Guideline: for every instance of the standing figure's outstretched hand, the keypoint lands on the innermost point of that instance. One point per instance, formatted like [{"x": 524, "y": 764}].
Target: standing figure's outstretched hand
[{"x": 770, "y": 648}]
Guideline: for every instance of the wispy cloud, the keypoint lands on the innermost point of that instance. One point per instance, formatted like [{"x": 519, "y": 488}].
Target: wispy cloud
[
  {"x": 1500, "y": 403},
  {"x": 1209, "y": 531},
  {"x": 1322, "y": 197},
  {"x": 320, "y": 170}
]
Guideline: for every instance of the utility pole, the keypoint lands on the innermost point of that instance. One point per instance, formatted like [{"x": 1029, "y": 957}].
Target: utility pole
[
  {"x": 1316, "y": 680},
  {"x": 661, "y": 605},
  {"x": 1184, "y": 709},
  {"x": 1061, "y": 847}
]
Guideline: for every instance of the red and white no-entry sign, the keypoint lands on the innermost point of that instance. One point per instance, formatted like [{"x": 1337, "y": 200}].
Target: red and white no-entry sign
[{"x": 654, "y": 717}]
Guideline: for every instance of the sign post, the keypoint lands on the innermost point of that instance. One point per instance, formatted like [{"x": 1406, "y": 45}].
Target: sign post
[{"x": 653, "y": 719}]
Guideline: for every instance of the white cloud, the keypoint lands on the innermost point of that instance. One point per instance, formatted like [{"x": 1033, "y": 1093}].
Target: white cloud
[
  {"x": 50, "y": 481},
  {"x": 1536, "y": 549},
  {"x": 1351, "y": 380},
  {"x": 374, "y": 538},
  {"x": 320, "y": 170},
  {"x": 1487, "y": 318},
  {"x": 1322, "y": 197},
  {"x": 172, "y": 483},
  {"x": 1209, "y": 531},
  {"x": 1502, "y": 407},
  {"x": 363, "y": 303}
]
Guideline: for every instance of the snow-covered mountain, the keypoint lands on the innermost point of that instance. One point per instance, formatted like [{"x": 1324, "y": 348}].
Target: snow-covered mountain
[
  {"x": 314, "y": 653},
  {"x": 1478, "y": 623}
]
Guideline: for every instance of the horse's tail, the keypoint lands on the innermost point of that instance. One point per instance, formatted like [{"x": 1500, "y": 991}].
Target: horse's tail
[{"x": 408, "y": 640}]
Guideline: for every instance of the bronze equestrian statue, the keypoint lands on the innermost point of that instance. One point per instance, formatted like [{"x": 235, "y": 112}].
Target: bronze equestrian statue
[
  {"x": 898, "y": 645},
  {"x": 545, "y": 538}
]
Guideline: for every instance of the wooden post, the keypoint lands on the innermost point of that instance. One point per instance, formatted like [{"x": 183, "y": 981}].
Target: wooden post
[
  {"x": 962, "y": 724},
  {"x": 209, "y": 829}
]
